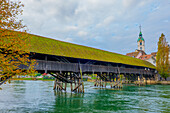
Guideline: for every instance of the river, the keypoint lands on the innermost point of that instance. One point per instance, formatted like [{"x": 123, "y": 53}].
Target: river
[{"x": 39, "y": 97}]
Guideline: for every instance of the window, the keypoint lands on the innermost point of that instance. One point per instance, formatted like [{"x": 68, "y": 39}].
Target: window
[
  {"x": 140, "y": 48},
  {"x": 140, "y": 43}
]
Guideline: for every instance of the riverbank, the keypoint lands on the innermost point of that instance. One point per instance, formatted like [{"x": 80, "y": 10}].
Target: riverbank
[
  {"x": 152, "y": 82},
  {"x": 32, "y": 79},
  {"x": 148, "y": 82},
  {"x": 164, "y": 82}
]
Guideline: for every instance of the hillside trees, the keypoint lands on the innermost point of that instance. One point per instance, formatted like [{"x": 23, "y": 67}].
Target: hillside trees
[
  {"x": 162, "y": 63},
  {"x": 13, "y": 45}
]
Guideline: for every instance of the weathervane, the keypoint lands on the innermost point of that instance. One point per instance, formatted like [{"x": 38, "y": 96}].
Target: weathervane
[{"x": 140, "y": 28}]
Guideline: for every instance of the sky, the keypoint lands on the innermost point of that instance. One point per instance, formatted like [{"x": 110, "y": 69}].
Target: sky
[{"x": 111, "y": 25}]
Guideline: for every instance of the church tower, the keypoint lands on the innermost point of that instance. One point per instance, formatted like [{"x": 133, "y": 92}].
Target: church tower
[{"x": 141, "y": 41}]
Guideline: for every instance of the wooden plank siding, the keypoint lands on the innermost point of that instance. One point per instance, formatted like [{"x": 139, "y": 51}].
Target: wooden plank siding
[
  {"x": 74, "y": 67},
  {"x": 56, "y": 66}
]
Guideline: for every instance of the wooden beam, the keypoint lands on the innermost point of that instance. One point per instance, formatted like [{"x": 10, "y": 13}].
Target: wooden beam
[
  {"x": 61, "y": 87},
  {"x": 77, "y": 87}
]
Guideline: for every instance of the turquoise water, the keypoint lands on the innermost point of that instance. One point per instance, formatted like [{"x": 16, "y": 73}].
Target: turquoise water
[{"x": 38, "y": 96}]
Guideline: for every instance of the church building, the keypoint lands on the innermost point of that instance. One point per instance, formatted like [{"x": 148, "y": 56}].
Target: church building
[
  {"x": 140, "y": 52},
  {"x": 141, "y": 47}
]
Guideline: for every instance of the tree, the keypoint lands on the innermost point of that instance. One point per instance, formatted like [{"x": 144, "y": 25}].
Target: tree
[
  {"x": 13, "y": 43},
  {"x": 162, "y": 58}
]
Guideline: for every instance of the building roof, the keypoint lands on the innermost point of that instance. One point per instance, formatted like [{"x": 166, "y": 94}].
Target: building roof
[
  {"x": 140, "y": 38},
  {"x": 132, "y": 54},
  {"x": 143, "y": 52},
  {"x": 135, "y": 54},
  {"x": 43, "y": 45},
  {"x": 154, "y": 53},
  {"x": 145, "y": 57}
]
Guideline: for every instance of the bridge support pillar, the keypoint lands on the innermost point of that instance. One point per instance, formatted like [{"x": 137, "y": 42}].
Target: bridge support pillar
[{"x": 62, "y": 79}]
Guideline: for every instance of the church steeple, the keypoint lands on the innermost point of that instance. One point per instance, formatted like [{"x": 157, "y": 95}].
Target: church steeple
[
  {"x": 140, "y": 34},
  {"x": 141, "y": 41}
]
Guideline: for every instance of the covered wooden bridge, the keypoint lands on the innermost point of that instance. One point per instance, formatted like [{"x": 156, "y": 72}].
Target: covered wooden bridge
[{"x": 68, "y": 62}]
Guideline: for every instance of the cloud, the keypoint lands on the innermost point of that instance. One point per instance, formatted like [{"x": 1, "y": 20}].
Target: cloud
[
  {"x": 106, "y": 21},
  {"x": 82, "y": 33},
  {"x": 110, "y": 25},
  {"x": 68, "y": 39},
  {"x": 71, "y": 28}
]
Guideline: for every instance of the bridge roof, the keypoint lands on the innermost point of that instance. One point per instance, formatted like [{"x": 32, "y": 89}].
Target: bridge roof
[
  {"x": 49, "y": 46},
  {"x": 44, "y": 45}
]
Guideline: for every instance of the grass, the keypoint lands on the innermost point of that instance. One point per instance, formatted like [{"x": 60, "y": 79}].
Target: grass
[{"x": 49, "y": 46}]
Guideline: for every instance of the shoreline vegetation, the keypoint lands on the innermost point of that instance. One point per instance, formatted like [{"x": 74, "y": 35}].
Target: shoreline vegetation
[{"x": 148, "y": 82}]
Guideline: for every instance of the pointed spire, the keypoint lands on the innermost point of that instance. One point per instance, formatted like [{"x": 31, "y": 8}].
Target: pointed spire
[
  {"x": 140, "y": 34},
  {"x": 140, "y": 27}
]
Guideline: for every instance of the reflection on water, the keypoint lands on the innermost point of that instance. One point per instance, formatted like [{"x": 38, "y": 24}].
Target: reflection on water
[{"x": 38, "y": 96}]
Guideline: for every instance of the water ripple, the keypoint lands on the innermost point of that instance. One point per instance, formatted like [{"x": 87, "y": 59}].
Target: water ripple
[{"x": 38, "y": 96}]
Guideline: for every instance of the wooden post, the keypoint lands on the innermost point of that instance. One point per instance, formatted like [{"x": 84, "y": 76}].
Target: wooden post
[
  {"x": 61, "y": 85},
  {"x": 113, "y": 83},
  {"x": 71, "y": 82},
  {"x": 57, "y": 86},
  {"x": 76, "y": 87},
  {"x": 83, "y": 87},
  {"x": 100, "y": 79},
  {"x": 138, "y": 81},
  {"x": 78, "y": 84},
  {"x": 100, "y": 82},
  {"x": 65, "y": 82},
  {"x": 118, "y": 83},
  {"x": 75, "y": 84},
  {"x": 55, "y": 82},
  {"x": 65, "y": 86},
  {"x": 81, "y": 82},
  {"x": 97, "y": 80},
  {"x": 115, "y": 80},
  {"x": 45, "y": 64},
  {"x": 110, "y": 82},
  {"x": 121, "y": 85}
]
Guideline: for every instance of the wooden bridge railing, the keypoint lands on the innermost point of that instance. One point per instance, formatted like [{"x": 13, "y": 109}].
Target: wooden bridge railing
[
  {"x": 74, "y": 67},
  {"x": 56, "y": 66}
]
